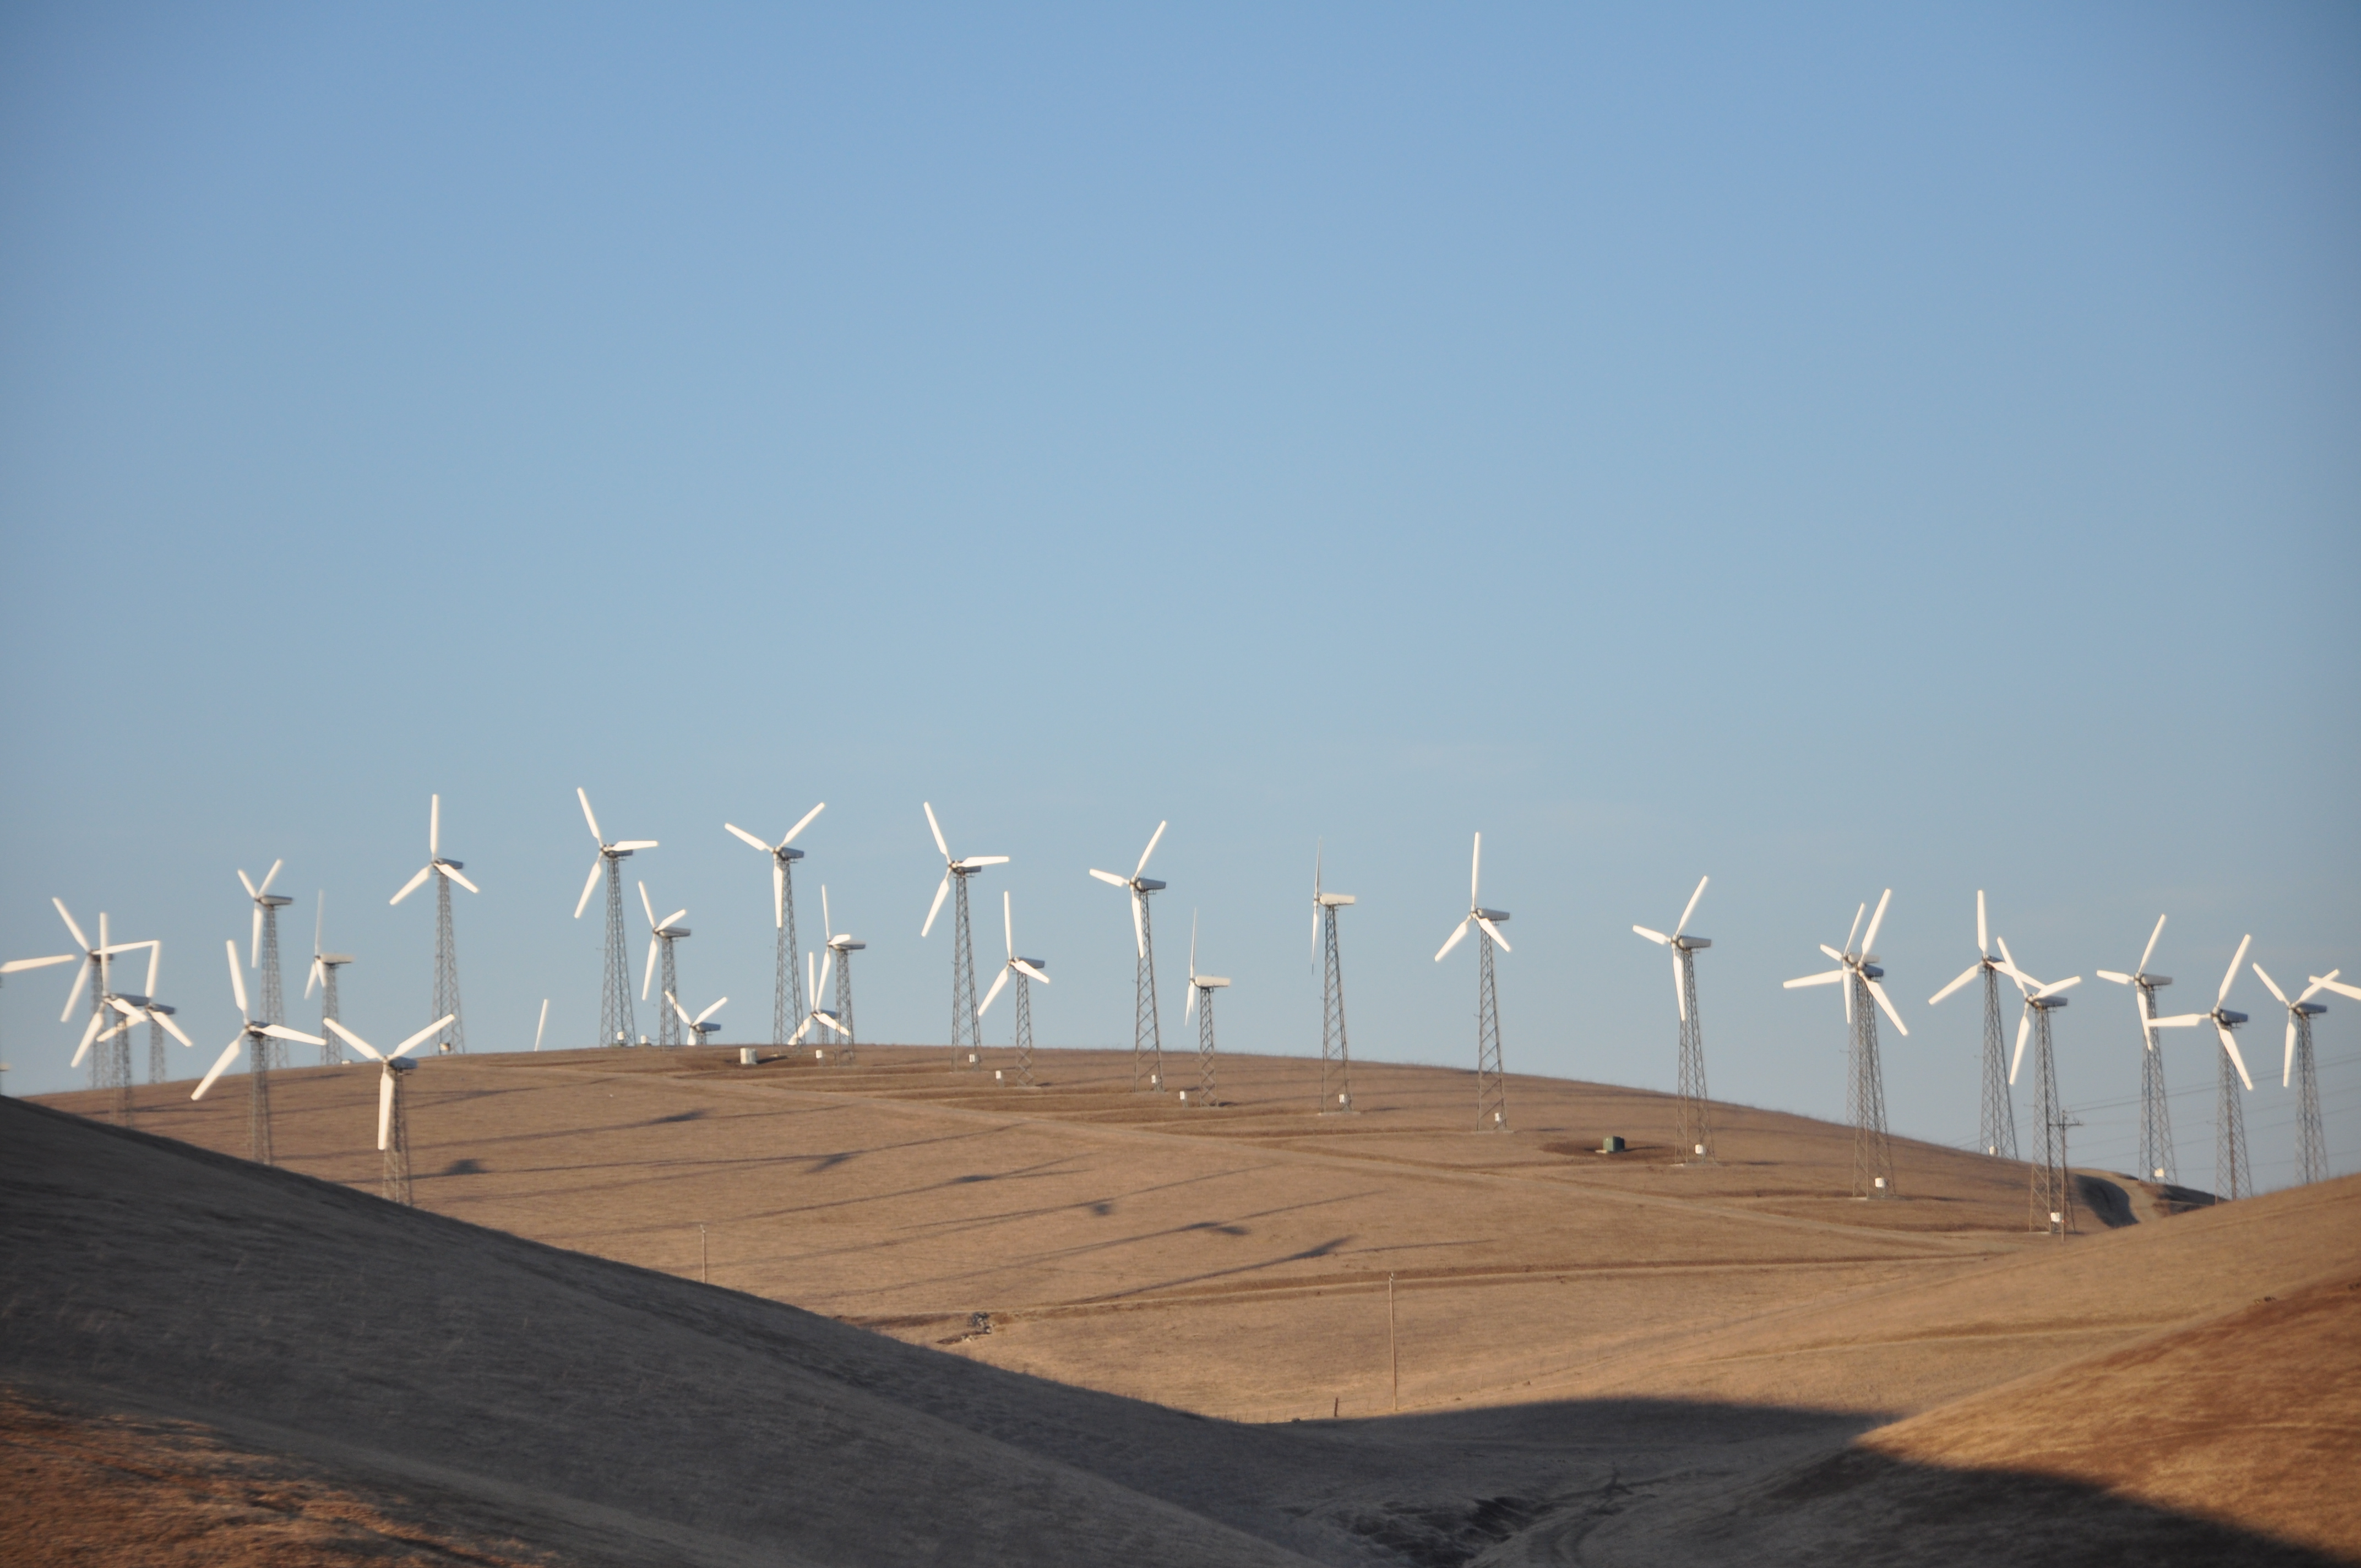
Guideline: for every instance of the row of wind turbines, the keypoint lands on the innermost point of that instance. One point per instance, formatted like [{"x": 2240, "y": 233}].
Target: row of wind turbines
[{"x": 803, "y": 1010}]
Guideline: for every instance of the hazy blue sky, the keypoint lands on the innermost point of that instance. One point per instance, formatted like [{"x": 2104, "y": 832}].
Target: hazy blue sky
[{"x": 1829, "y": 448}]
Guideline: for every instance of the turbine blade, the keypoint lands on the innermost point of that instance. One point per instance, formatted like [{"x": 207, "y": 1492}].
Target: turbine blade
[
  {"x": 976, "y": 863},
  {"x": 1656, "y": 936},
  {"x": 778, "y": 893},
  {"x": 319, "y": 916},
  {"x": 336, "y": 1027},
  {"x": 420, "y": 1037},
  {"x": 1141, "y": 870},
  {"x": 221, "y": 1066},
  {"x": 1886, "y": 1007},
  {"x": 1832, "y": 953},
  {"x": 2150, "y": 951},
  {"x": 2230, "y": 1044},
  {"x": 1983, "y": 945},
  {"x": 541, "y": 1027},
  {"x": 2269, "y": 984},
  {"x": 18, "y": 966},
  {"x": 269, "y": 877},
  {"x": 237, "y": 979},
  {"x": 407, "y": 888},
  {"x": 1007, "y": 925},
  {"x": 590, "y": 817},
  {"x": 1494, "y": 932},
  {"x": 935, "y": 829},
  {"x": 81, "y": 978},
  {"x": 2331, "y": 982},
  {"x": 384, "y": 1106},
  {"x": 1109, "y": 878},
  {"x": 2055, "y": 986},
  {"x": 648, "y": 907},
  {"x": 1869, "y": 941},
  {"x": 461, "y": 881},
  {"x": 434, "y": 826},
  {"x": 1965, "y": 975},
  {"x": 254, "y": 959},
  {"x": 79, "y": 940},
  {"x": 733, "y": 828},
  {"x": 710, "y": 1011},
  {"x": 636, "y": 844},
  {"x": 2024, "y": 1029},
  {"x": 2230, "y": 973},
  {"x": 89, "y": 1033},
  {"x": 1475, "y": 872},
  {"x": 2286, "y": 1066},
  {"x": 1830, "y": 978},
  {"x": 1692, "y": 905},
  {"x": 802, "y": 823},
  {"x": 1139, "y": 921},
  {"x": 942, "y": 891},
  {"x": 1030, "y": 972},
  {"x": 678, "y": 1008},
  {"x": 583, "y": 903},
  {"x": 648, "y": 977},
  {"x": 2116, "y": 975},
  {"x": 1856, "y": 926},
  {"x": 172, "y": 1028},
  {"x": 1457, "y": 932},
  {"x": 827, "y": 967},
  {"x": 248, "y": 882},
  {"x": 2306, "y": 994},
  {"x": 2180, "y": 1021},
  {"x": 997, "y": 982},
  {"x": 281, "y": 1032},
  {"x": 825, "y": 929},
  {"x": 1192, "y": 945},
  {"x": 1680, "y": 992},
  {"x": 1189, "y": 1008},
  {"x": 311, "y": 977}
]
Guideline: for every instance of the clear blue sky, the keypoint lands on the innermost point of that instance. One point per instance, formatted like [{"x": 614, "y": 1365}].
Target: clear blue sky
[{"x": 1829, "y": 448}]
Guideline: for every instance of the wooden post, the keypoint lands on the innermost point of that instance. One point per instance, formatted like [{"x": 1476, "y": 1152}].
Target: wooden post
[
  {"x": 704, "y": 1258},
  {"x": 1393, "y": 1346}
]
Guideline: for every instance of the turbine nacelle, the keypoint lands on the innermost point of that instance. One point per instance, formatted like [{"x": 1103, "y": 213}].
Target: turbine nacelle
[
  {"x": 1147, "y": 884},
  {"x": 2229, "y": 1018}
]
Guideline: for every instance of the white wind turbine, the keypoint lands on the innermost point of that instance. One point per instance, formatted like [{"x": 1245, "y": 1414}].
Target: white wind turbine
[
  {"x": 817, "y": 1014},
  {"x": 392, "y": 1126},
  {"x": 446, "y": 951},
  {"x": 1873, "y": 1153},
  {"x": 2156, "y": 1156},
  {"x": 1146, "y": 1030},
  {"x": 1997, "y": 1132},
  {"x": 1694, "y": 1137},
  {"x": 1027, "y": 971},
  {"x": 967, "y": 1035},
  {"x": 1201, "y": 997},
  {"x": 697, "y": 1026},
  {"x": 2231, "y": 1179},
  {"x": 2051, "y": 1200},
  {"x": 1491, "y": 1083},
  {"x": 97, "y": 971},
  {"x": 1335, "y": 1051},
  {"x": 2297, "y": 1070},
  {"x": 324, "y": 975},
  {"x": 251, "y": 1032},
  {"x": 145, "y": 1009},
  {"x": 786, "y": 997},
  {"x": 841, "y": 946},
  {"x": 615, "y": 1023},
  {"x": 662, "y": 935}
]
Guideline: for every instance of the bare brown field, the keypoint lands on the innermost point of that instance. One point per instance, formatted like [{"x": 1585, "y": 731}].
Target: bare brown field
[{"x": 1602, "y": 1358}]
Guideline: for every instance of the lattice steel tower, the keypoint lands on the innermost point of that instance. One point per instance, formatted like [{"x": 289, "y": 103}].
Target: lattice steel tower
[
  {"x": 842, "y": 949},
  {"x": 2296, "y": 1071},
  {"x": 1146, "y": 1021},
  {"x": 2158, "y": 1162},
  {"x": 616, "y": 1023},
  {"x": 1023, "y": 972},
  {"x": 1997, "y": 1122},
  {"x": 1201, "y": 997},
  {"x": 787, "y": 1006},
  {"x": 1858, "y": 972},
  {"x": 1693, "y": 1136},
  {"x": 1335, "y": 1053},
  {"x": 1491, "y": 1083},
  {"x": 967, "y": 1035},
  {"x": 266, "y": 1056},
  {"x": 2049, "y": 1199},
  {"x": 662, "y": 935},
  {"x": 2233, "y": 1179}
]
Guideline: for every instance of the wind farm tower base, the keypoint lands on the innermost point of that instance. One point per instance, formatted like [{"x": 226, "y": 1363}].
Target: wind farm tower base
[
  {"x": 1335, "y": 1053},
  {"x": 1996, "y": 1135},
  {"x": 1491, "y": 1081}
]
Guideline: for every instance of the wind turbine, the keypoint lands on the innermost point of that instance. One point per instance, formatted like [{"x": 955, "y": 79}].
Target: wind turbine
[
  {"x": 1872, "y": 1152},
  {"x": 323, "y": 974},
  {"x": 259, "y": 1034},
  {"x": 787, "y": 991},
  {"x": 967, "y": 1035},
  {"x": 1027, "y": 971},
  {"x": 697, "y": 1026},
  {"x": 97, "y": 971},
  {"x": 817, "y": 1014},
  {"x": 2296, "y": 1070},
  {"x": 1491, "y": 1084},
  {"x": 392, "y": 1126},
  {"x": 1695, "y": 1131},
  {"x": 662, "y": 935},
  {"x": 1998, "y": 1132},
  {"x": 446, "y": 952},
  {"x": 263, "y": 951},
  {"x": 1335, "y": 1054},
  {"x": 1147, "y": 1028},
  {"x": 615, "y": 1021},
  {"x": 2051, "y": 1196},
  {"x": 2231, "y": 1179},
  {"x": 2157, "y": 1157},
  {"x": 1201, "y": 997},
  {"x": 841, "y": 946},
  {"x": 145, "y": 1009}
]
